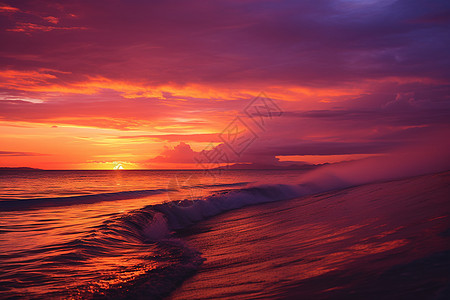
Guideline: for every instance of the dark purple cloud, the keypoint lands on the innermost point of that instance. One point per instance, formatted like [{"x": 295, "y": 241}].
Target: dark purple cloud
[
  {"x": 182, "y": 153},
  {"x": 227, "y": 42}
]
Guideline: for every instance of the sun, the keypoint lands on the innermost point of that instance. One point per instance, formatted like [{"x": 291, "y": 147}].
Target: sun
[{"x": 118, "y": 167}]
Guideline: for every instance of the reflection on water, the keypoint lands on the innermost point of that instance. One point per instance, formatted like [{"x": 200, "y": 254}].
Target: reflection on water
[
  {"x": 327, "y": 243},
  {"x": 87, "y": 248},
  {"x": 359, "y": 243}
]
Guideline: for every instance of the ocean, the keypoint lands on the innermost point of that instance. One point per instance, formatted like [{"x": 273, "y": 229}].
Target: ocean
[{"x": 240, "y": 234}]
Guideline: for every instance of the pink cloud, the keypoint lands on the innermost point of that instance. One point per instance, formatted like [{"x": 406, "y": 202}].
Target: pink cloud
[
  {"x": 31, "y": 27},
  {"x": 182, "y": 153}
]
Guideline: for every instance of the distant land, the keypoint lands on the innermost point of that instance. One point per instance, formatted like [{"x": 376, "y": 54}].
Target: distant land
[
  {"x": 19, "y": 169},
  {"x": 255, "y": 166}
]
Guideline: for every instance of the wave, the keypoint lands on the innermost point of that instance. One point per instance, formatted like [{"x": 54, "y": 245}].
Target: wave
[
  {"x": 144, "y": 235},
  {"x": 20, "y": 204},
  {"x": 149, "y": 231},
  {"x": 158, "y": 221},
  {"x": 181, "y": 214},
  {"x": 220, "y": 184}
]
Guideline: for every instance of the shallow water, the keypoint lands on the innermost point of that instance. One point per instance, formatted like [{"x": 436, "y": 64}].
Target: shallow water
[{"x": 377, "y": 241}]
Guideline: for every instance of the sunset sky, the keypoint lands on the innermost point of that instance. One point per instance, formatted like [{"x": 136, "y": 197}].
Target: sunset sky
[{"x": 149, "y": 84}]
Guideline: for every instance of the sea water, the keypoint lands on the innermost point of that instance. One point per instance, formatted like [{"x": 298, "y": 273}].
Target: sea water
[
  {"x": 241, "y": 233},
  {"x": 84, "y": 233}
]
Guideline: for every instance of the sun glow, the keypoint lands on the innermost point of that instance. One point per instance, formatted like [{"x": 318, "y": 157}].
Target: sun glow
[{"x": 118, "y": 167}]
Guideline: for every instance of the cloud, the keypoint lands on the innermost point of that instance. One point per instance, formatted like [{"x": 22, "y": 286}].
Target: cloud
[
  {"x": 207, "y": 137},
  {"x": 51, "y": 19},
  {"x": 5, "y": 8},
  {"x": 299, "y": 43},
  {"x": 328, "y": 148},
  {"x": 163, "y": 50},
  {"x": 30, "y": 27},
  {"x": 16, "y": 17},
  {"x": 209, "y": 157},
  {"x": 264, "y": 153},
  {"x": 182, "y": 153},
  {"x": 351, "y": 77},
  {"x": 13, "y": 153}
]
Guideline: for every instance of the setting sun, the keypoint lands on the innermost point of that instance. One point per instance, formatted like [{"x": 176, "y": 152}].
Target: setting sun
[{"x": 118, "y": 167}]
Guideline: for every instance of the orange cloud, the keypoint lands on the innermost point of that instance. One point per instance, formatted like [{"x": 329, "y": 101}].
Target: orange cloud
[
  {"x": 207, "y": 137},
  {"x": 42, "y": 81},
  {"x": 51, "y": 19},
  {"x": 7, "y": 8},
  {"x": 30, "y": 27}
]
